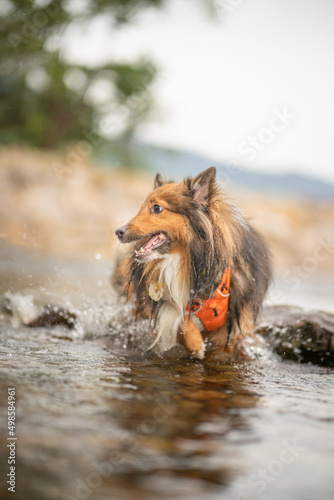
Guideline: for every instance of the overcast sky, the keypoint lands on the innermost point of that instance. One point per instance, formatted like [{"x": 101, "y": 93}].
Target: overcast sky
[{"x": 254, "y": 86}]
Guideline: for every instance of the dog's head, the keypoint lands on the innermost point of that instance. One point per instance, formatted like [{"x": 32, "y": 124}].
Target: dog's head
[{"x": 164, "y": 221}]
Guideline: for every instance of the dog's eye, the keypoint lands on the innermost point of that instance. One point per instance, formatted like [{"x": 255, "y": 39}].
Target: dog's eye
[{"x": 156, "y": 209}]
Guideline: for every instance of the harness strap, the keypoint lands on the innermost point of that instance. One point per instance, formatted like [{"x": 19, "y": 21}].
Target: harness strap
[{"x": 213, "y": 312}]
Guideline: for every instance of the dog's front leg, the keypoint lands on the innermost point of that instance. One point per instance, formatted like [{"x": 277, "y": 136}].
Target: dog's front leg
[{"x": 190, "y": 337}]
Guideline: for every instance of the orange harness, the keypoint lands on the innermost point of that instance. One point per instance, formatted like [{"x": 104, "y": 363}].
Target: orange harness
[{"x": 212, "y": 312}]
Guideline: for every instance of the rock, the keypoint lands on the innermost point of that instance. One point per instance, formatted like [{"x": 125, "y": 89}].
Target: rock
[
  {"x": 23, "y": 309},
  {"x": 53, "y": 316},
  {"x": 299, "y": 335}
]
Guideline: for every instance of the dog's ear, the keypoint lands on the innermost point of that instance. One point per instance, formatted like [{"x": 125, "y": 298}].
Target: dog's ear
[
  {"x": 202, "y": 185},
  {"x": 158, "y": 181}
]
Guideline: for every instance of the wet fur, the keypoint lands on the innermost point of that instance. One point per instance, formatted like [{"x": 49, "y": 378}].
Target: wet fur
[{"x": 207, "y": 234}]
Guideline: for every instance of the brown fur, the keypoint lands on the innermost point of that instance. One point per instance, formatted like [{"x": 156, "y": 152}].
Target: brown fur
[{"x": 206, "y": 234}]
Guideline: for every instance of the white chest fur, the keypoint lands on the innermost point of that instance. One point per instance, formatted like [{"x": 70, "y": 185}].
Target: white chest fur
[
  {"x": 175, "y": 299},
  {"x": 176, "y": 289}
]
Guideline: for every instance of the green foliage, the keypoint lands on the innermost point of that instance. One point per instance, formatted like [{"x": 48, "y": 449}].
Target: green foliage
[{"x": 46, "y": 101}]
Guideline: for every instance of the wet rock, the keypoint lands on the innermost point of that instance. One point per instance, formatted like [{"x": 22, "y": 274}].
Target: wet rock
[
  {"x": 20, "y": 309},
  {"x": 54, "y": 316},
  {"x": 299, "y": 335}
]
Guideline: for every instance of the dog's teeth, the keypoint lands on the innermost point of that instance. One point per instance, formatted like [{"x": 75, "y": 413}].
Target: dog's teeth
[
  {"x": 136, "y": 252},
  {"x": 161, "y": 236},
  {"x": 141, "y": 250}
]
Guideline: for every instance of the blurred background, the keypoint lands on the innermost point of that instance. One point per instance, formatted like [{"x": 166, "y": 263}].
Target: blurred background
[{"x": 96, "y": 96}]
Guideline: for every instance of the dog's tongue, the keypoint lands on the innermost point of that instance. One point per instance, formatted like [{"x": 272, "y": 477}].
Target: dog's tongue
[{"x": 153, "y": 241}]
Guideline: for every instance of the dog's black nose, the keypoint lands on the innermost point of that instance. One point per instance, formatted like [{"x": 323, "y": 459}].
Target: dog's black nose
[{"x": 120, "y": 232}]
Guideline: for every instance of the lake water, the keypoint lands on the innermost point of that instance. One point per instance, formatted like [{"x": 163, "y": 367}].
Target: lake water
[{"x": 99, "y": 417}]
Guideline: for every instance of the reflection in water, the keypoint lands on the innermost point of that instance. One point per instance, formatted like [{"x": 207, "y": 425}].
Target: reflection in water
[
  {"x": 178, "y": 420},
  {"x": 95, "y": 420}
]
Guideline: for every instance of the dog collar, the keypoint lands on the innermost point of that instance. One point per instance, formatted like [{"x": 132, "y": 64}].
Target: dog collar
[{"x": 213, "y": 312}]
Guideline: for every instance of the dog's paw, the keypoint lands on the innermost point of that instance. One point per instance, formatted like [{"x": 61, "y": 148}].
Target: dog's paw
[
  {"x": 190, "y": 337},
  {"x": 199, "y": 353}
]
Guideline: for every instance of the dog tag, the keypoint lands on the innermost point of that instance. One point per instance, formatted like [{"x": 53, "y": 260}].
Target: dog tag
[{"x": 155, "y": 290}]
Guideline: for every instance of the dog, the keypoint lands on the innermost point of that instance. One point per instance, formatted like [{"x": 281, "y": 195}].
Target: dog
[{"x": 195, "y": 267}]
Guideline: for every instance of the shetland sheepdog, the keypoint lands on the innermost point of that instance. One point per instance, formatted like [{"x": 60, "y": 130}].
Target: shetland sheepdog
[{"x": 195, "y": 267}]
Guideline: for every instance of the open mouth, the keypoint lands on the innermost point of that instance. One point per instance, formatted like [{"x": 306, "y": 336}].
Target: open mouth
[{"x": 157, "y": 241}]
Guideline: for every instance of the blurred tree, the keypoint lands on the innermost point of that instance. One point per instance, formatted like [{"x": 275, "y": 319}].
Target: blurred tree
[{"x": 47, "y": 101}]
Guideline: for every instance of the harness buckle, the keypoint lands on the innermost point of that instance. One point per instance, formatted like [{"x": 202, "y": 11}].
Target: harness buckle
[
  {"x": 196, "y": 303},
  {"x": 221, "y": 293}
]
